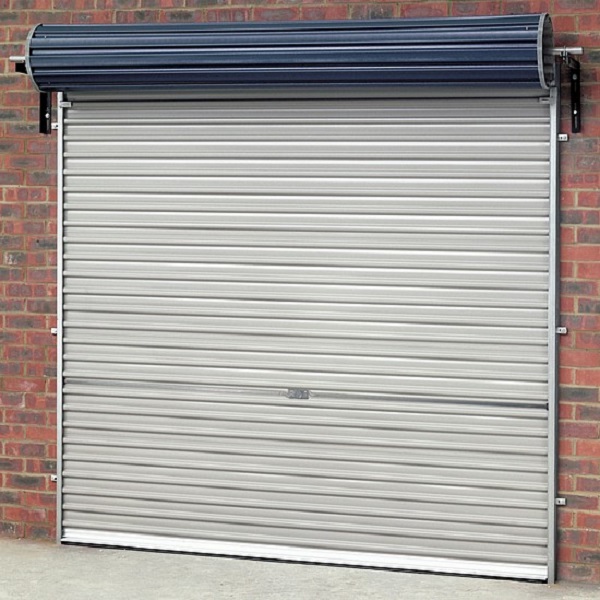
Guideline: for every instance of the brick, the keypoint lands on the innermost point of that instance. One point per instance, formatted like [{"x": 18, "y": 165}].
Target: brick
[
  {"x": 577, "y": 322},
  {"x": 587, "y": 377},
  {"x": 588, "y": 448},
  {"x": 11, "y": 399},
  {"x": 589, "y": 484},
  {"x": 15, "y": 258},
  {"x": 25, "y": 450},
  {"x": 41, "y": 466},
  {"x": 25, "y": 322},
  {"x": 25, "y": 515},
  {"x": 26, "y": 482},
  {"x": 25, "y": 417},
  {"x": 582, "y": 502},
  {"x": 10, "y": 178},
  {"x": 10, "y": 242},
  {"x": 42, "y": 275},
  {"x": 39, "y": 210},
  {"x": 576, "y": 6},
  {"x": 262, "y": 13},
  {"x": 579, "y": 217},
  {"x": 588, "y": 235},
  {"x": 579, "y": 358},
  {"x": 578, "y": 430},
  {"x": 581, "y": 253},
  {"x": 587, "y": 556},
  {"x": 566, "y": 518},
  {"x": 9, "y": 497},
  {"x": 579, "y": 466},
  {"x": 588, "y": 413},
  {"x": 474, "y": 8},
  {"x": 138, "y": 16},
  {"x": 586, "y": 340},
  {"x": 10, "y": 464},
  {"x": 578, "y": 573},
  {"x": 47, "y": 307},
  {"x": 11, "y": 211},
  {"x": 50, "y": 243},
  {"x": 565, "y": 448},
  {"x": 423, "y": 9},
  {"x": 566, "y": 411},
  {"x": 40, "y": 178},
  {"x": 41, "y": 433},
  {"x": 519, "y": 7},
  {"x": 15, "y": 530},
  {"x": 180, "y": 16},
  {"x": 589, "y": 306},
  {"x": 29, "y": 384},
  {"x": 316, "y": 13},
  {"x": 40, "y": 532},
  {"x": 588, "y": 199},
  {"x": 566, "y": 375},
  {"x": 35, "y": 499},
  {"x": 574, "y": 537}
]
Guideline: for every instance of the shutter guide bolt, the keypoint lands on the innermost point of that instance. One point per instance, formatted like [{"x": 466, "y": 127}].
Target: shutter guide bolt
[
  {"x": 65, "y": 104},
  {"x": 563, "y": 137},
  {"x": 562, "y": 331},
  {"x": 54, "y": 478},
  {"x": 560, "y": 501},
  {"x": 54, "y": 331}
]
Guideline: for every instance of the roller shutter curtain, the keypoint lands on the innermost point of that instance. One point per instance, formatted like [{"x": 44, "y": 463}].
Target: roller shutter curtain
[{"x": 311, "y": 330}]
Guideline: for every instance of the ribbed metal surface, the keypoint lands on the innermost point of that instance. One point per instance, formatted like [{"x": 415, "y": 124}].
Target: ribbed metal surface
[
  {"x": 389, "y": 256},
  {"x": 511, "y": 50}
]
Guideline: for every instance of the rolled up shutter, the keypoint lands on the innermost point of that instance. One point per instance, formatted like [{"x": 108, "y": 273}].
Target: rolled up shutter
[{"x": 503, "y": 51}]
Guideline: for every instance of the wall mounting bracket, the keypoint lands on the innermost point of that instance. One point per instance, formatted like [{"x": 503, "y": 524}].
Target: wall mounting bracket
[{"x": 574, "y": 68}]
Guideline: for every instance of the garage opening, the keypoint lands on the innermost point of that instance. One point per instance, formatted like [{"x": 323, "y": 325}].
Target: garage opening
[{"x": 308, "y": 292}]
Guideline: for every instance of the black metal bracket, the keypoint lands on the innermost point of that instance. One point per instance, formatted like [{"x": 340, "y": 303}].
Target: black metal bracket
[
  {"x": 575, "y": 79},
  {"x": 46, "y": 113}
]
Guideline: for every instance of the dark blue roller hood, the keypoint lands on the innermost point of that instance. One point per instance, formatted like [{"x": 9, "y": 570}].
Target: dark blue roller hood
[{"x": 511, "y": 50}]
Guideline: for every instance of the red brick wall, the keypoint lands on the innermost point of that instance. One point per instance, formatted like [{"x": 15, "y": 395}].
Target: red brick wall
[{"x": 28, "y": 250}]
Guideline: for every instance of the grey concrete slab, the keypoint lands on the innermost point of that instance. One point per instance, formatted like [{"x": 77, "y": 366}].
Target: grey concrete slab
[{"x": 44, "y": 571}]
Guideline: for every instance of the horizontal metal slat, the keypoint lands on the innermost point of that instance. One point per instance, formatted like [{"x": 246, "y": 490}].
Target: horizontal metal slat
[
  {"x": 247, "y": 482},
  {"x": 309, "y": 466},
  {"x": 425, "y": 296},
  {"x": 148, "y": 391},
  {"x": 300, "y": 412},
  {"x": 423, "y": 453},
  {"x": 322, "y": 434},
  {"x": 307, "y": 328},
  {"x": 79, "y": 489},
  {"x": 490, "y": 279},
  {"x": 438, "y": 240},
  {"x": 502, "y": 149},
  {"x": 406, "y": 259},
  {"x": 293, "y": 361},
  {"x": 294, "y": 203},
  {"x": 338, "y": 311},
  {"x": 181, "y": 528},
  {"x": 351, "y": 186},
  {"x": 383, "y": 527},
  {"x": 372, "y": 224},
  {"x": 270, "y": 129}
]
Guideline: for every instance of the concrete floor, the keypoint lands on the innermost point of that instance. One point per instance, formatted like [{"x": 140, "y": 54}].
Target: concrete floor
[{"x": 44, "y": 571}]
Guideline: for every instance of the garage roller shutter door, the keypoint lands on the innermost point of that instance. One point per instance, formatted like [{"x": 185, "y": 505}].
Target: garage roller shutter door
[{"x": 311, "y": 330}]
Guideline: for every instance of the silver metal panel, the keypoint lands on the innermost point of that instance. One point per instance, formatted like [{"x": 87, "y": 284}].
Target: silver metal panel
[{"x": 312, "y": 329}]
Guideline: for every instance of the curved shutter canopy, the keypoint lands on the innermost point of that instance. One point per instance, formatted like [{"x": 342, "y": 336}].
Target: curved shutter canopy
[{"x": 511, "y": 50}]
